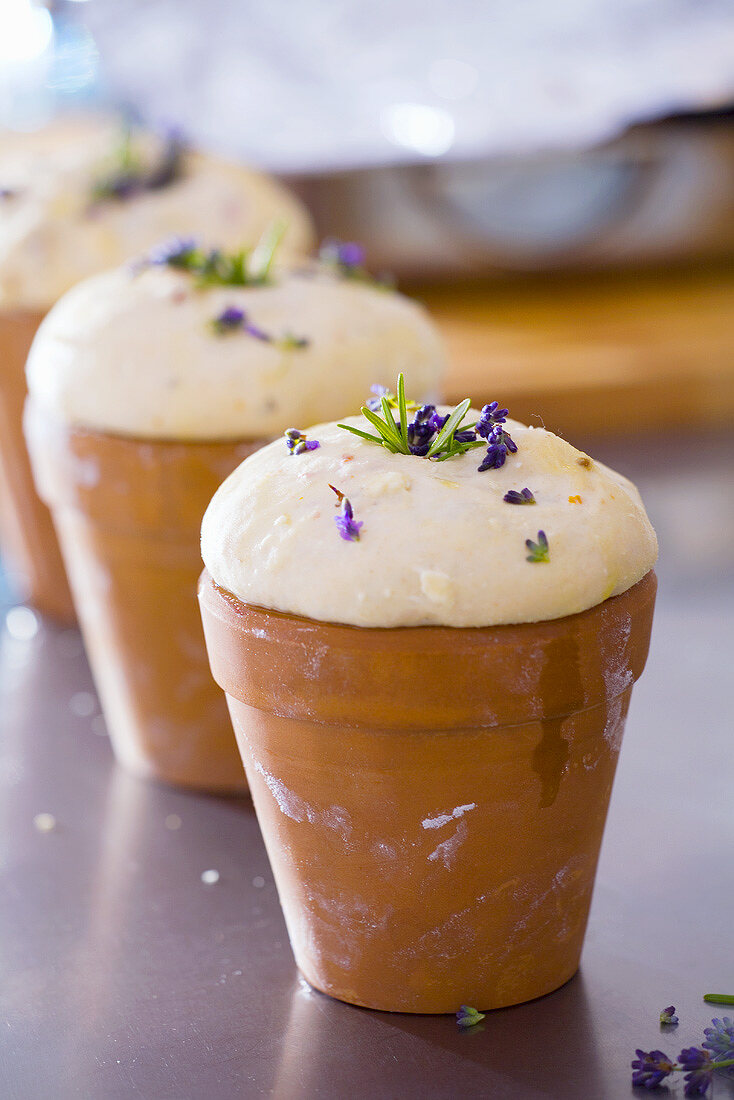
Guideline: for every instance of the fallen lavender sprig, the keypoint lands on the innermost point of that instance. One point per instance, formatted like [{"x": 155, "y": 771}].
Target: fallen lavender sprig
[
  {"x": 524, "y": 496},
  {"x": 538, "y": 551},
  {"x": 233, "y": 319},
  {"x": 468, "y": 1017},
  {"x": 346, "y": 524}
]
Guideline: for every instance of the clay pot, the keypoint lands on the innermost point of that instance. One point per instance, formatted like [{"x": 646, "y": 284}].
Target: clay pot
[
  {"x": 28, "y": 541},
  {"x": 128, "y": 514},
  {"x": 432, "y": 799}
]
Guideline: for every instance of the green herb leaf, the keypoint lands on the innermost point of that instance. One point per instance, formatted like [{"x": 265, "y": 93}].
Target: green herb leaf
[{"x": 444, "y": 439}]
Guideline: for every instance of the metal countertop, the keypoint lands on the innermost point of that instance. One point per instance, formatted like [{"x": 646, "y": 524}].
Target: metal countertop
[{"x": 123, "y": 975}]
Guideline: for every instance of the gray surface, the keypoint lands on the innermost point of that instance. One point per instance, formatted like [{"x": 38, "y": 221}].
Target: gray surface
[{"x": 123, "y": 975}]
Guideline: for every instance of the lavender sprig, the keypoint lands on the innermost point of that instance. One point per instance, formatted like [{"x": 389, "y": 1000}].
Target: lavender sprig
[
  {"x": 650, "y": 1068},
  {"x": 698, "y": 1067},
  {"x": 297, "y": 442},
  {"x": 720, "y": 1038},
  {"x": 233, "y": 319},
  {"x": 668, "y": 1017},
  {"x": 499, "y": 445},
  {"x": 346, "y": 524},
  {"x": 538, "y": 551},
  {"x": 490, "y": 416},
  {"x": 468, "y": 1017},
  {"x": 524, "y": 496}
]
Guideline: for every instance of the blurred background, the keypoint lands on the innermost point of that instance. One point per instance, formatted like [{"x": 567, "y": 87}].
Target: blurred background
[{"x": 556, "y": 181}]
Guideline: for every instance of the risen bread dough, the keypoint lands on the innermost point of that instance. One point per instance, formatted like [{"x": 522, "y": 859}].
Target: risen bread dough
[{"x": 438, "y": 543}]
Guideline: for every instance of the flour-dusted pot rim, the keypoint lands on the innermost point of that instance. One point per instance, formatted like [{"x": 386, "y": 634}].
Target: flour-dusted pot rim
[{"x": 498, "y": 675}]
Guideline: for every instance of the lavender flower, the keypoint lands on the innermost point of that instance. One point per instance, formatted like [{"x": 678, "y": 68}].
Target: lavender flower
[
  {"x": 422, "y": 429},
  {"x": 720, "y": 1038},
  {"x": 538, "y": 551},
  {"x": 229, "y": 320},
  {"x": 500, "y": 444},
  {"x": 650, "y": 1068},
  {"x": 350, "y": 254},
  {"x": 346, "y": 524},
  {"x": 375, "y": 403},
  {"x": 668, "y": 1017},
  {"x": 524, "y": 496},
  {"x": 297, "y": 443},
  {"x": 467, "y": 1016},
  {"x": 490, "y": 416},
  {"x": 347, "y": 256},
  {"x": 8, "y": 193},
  {"x": 699, "y": 1070}
]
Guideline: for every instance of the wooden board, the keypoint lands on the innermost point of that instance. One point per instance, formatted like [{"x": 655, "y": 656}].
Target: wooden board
[{"x": 602, "y": 353}]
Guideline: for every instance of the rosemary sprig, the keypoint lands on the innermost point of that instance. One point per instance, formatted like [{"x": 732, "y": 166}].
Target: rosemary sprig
[
  {"x": 129, "y": 174},
  {"x": 428, "y": 434}
]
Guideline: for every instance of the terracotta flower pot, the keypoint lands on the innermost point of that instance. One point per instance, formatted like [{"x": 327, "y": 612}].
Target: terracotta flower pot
[
  {"x": 432, "y": 799},
  {"x": 28, "y": 542},
  {"x": 128, "y": 514}
]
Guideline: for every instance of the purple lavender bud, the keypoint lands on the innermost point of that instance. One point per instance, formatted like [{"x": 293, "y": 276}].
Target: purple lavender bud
[
  {"x": 346, "y": 524},
  {"x": 720, "y": 1037},
  {"x": 297, "y": 443},
  {"x": 230, "y": 318},
  {"x": 468, "y": 1017},
  {"x": 490, "y": 416},
  {"x": 437, "y": 421},
  {"x": 650, "y": 1068},
  {"x": 494, "y": 458},
  {"x": 524, "y": 496},
  {"x": 351, "y": 254},
  {"x": 375, "y": 403},
  {"x": 699, "y": 1067}
]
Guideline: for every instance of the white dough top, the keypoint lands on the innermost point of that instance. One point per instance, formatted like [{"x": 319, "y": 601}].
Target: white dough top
[
  {"x": 56, "y": 230},
  {"x": 135, "y": 353},
  {"x": 438, "y": 544}
]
